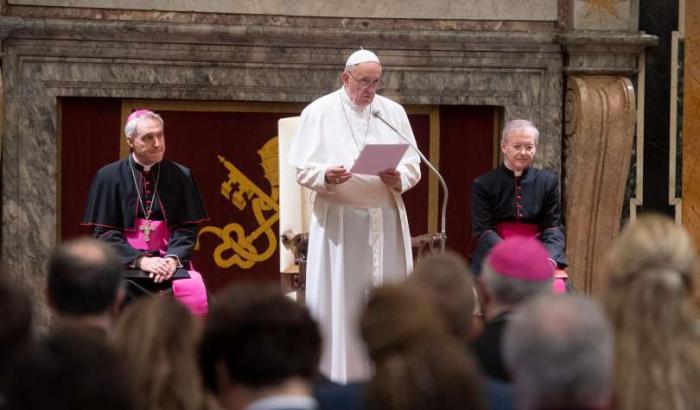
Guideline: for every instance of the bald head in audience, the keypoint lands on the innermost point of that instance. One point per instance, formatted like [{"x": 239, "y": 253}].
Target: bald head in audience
[{"x": 560, "y": 353}]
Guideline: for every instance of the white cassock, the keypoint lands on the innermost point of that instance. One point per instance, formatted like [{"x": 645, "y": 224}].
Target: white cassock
[{"x": 359, "y": 237}]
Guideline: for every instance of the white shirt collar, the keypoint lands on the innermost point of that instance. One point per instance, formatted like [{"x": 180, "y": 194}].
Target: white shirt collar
[{"x": 284, "y": 401}]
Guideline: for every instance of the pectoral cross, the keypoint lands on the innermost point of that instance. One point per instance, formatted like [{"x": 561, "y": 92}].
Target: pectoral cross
[{"x": 146, "y": 229}]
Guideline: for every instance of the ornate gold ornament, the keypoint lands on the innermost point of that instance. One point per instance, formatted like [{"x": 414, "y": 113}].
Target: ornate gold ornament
[{"x": 238, "y": 248}]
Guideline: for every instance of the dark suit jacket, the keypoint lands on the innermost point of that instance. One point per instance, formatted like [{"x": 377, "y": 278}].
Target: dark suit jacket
[
  {"x": 333, "y": 396},
  {"x": 487, "y": 348}
]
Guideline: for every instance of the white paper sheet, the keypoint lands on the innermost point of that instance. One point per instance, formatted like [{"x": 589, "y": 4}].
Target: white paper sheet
[{"x": 375, "y": 158}]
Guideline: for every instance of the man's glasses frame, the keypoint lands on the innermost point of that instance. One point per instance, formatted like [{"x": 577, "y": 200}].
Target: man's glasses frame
[{"x": 365, "y": 83}]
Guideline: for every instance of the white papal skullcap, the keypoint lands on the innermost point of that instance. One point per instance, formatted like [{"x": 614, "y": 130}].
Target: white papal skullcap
[{"x": 361, "y": 56}]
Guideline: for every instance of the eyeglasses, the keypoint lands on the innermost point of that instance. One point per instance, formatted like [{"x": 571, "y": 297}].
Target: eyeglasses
[{"x": 365, "y": 83}]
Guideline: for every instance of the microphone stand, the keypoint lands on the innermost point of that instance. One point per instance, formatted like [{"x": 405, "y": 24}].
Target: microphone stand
[{"x": 443, "y": 216}]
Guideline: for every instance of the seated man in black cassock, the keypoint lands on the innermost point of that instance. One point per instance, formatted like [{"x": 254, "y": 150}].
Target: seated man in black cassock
[
  {"x": 149, "y": 209},
  {"x": 517, "y": 199}
]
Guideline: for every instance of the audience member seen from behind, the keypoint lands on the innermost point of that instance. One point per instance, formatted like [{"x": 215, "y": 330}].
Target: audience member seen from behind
[
  {"x": 448, "y": 277},
  {"x": 260, "y": 350},
  {"x": 83, "y": 285},
  {"x": 157, "y": 338},
  {"x": 652, "y": 272},
  {"x": 70, "y": 370},
  {"x": 15, "y": 329},
  {"x": 559, "y": 351},
  {"x": 516, "y": 270},
  {"x": 417, "y": 364}
]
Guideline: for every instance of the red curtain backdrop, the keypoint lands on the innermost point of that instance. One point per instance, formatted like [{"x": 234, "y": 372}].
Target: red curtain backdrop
[
  {"x": 466, "y": 151},
  {"x": 90, "y": 133},
  {"x": 234, "y": 158},
  {"x": 416, "y": 199}
]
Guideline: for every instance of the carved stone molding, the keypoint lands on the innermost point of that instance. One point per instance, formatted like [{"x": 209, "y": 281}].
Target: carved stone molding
[
  {"x": 532, "y": 10},
  {"x": 599, "y": 127},
  {"x": 593, "y": 53}
]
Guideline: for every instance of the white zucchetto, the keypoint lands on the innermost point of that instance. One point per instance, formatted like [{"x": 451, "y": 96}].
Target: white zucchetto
[{"x": 361, "y": 56}]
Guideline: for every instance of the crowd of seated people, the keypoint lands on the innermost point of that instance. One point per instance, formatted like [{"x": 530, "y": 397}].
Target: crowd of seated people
[{"x": 433, "y": 343}]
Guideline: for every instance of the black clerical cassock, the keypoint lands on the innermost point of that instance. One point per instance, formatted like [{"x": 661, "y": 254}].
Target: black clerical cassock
[
  {"x": 500, "y": 201},
  {"x": 113, "y": 205}
]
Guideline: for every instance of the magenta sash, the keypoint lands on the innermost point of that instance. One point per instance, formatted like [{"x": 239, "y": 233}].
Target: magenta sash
[
  {"x": 190, "y": 292},
  {"x": 508, "y": 229}
]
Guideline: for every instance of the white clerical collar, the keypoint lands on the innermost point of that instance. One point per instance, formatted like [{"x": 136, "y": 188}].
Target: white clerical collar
[
  {"x": 516, "y": 173},
  {"x": 345, "y": 98},
  {"x": 145, "y": 167}
]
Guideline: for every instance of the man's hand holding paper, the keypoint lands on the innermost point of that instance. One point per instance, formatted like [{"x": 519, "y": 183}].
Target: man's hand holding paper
[
  {"x": 337, "y": 175},
  {"x": 391, "y": 177}
]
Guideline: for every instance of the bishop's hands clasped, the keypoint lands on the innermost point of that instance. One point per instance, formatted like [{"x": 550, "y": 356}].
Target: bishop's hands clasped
[
  {"x": 337, "y": 175},
  {"x": 159, "y": 269}
]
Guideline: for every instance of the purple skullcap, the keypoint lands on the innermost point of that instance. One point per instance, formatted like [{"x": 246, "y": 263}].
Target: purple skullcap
[
  {"x": 136, "y": 114},
  {"x": 521, "y": 257}
]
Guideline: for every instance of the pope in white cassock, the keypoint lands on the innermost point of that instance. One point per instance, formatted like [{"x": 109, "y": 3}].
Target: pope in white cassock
[{"x": 359, "y": 237}]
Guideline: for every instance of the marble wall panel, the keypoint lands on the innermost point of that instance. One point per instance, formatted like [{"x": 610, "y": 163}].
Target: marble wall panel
[
  {"x": 606, "y": 15},
  {"x": 532, "y": 10},
  {"x": 346, "y": 23}
]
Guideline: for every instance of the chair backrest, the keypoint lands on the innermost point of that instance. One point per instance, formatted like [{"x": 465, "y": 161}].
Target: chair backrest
[{"x": 295, "y": 201}]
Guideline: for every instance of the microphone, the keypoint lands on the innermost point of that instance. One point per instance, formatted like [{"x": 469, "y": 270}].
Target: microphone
[{"x": 443, "y": 217}]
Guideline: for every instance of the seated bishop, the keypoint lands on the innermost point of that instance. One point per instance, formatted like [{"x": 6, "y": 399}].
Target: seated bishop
[
  {"x": 149, "y": 208},
  {"x": 517, "y": 199}
]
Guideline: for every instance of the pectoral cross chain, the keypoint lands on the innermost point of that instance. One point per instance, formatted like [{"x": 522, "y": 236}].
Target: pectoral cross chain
[{"x": 146, "y": 229}]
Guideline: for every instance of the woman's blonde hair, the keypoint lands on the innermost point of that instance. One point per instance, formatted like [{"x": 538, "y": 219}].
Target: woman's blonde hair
[
  {"x": 652, "y": 270},
  {"x": 157, "y": 337}
]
